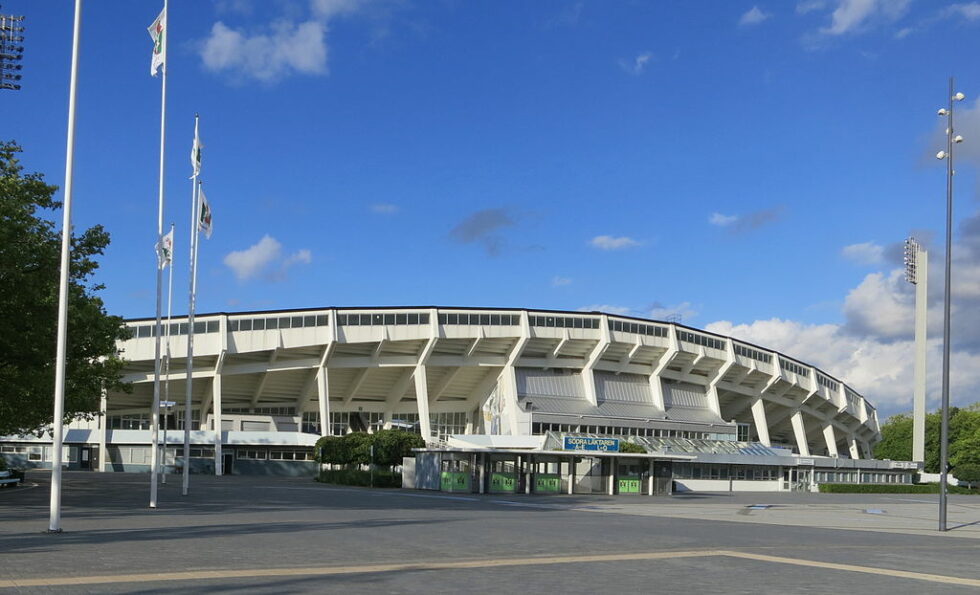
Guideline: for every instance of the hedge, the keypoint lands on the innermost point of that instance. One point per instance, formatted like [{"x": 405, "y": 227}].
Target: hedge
[
  {"x": 359, "y": 477},
  {"x": 870, "y": 488}
]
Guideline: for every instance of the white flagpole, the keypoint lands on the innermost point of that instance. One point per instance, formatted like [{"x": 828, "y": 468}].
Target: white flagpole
[
  {"x": 166, "y": 357},
  {"x": 54, "y": 523},
  {"x": 190, "y": 327},
  {"x": 155, "y": 421}
]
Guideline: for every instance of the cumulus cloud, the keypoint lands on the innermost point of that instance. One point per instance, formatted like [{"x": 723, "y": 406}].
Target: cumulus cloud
[
  {"x": 865, "y": 253},
  {"x": 285, "y": 47},
  {"x": 806, "y": 6},
  {"x": 637, "y": 65},
  {"x": 264, "y": 259},
  {"x": 481, "y": 227},
  {"x": 854, "y": 16},
  {"x": 384, "y": 209},
  {"x": 613, "y": 243},
  {"x": 753, "y": 16}
]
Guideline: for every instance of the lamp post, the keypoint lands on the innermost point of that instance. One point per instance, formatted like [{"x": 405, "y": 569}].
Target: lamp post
[
  {"x": 166, "y": 405},
  {"x": 951, "y": 140}
]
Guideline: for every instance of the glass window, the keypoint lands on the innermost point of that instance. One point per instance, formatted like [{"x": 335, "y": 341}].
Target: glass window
[
  {"x": 389, "y": 318},
  {"x": 245, "y": 325},
  {"x": 284, "y": 322},
  {"x": 199, "y": 327},
  {"x": 258, "y": 324},
  {"x": 296, "y": 321},
  {"x": 322, "y": 320},
  {"x": 401, "y": 319},
  {"x": 232, "y": 326},
  {"x": 414, "y": 318},
  {"x": 453, "y": 318},
  {"x": 366, "y": 320},
  {"x": 272, "y": 323},
  {"x": 424, "y": 318},
  {"x": 377, "y": 319},
  {"x": 213, "y": 326},
  {"x": 443, "y": 319},
  {"x": 309, "y": 321}
]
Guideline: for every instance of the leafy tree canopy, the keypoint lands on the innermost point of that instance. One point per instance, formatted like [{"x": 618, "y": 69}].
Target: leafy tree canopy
[
  {"x": 355, "y": 448},
  {"x": 30, "y": 258},
  {"x": 964, "y": 438}
]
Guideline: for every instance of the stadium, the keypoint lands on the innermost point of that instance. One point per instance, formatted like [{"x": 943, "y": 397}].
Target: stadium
[{"x": 511, "y": 400}]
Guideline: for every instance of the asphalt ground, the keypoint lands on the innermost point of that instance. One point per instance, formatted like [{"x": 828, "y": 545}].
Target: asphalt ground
[{"x": 277, "y": 535}]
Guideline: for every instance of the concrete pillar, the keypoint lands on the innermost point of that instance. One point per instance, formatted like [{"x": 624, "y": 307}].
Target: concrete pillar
[
  {"x": 853, "y": 447},
  {"x": 323, "y": 398},
  {"x": 216, "y": 403},
  {"x": 831, "y": 439},
  {"x": 761, "y": 423},
  {"x": 799, "y": 431},
  {"x": 422, "y": 401}
]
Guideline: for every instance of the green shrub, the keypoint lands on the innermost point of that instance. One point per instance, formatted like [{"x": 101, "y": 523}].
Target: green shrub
[
  {"x": 390, "y": 446},
  {"x": 359, "y": 477},
  {"x": 869, "y": 488},
  {"x": 631, "y": 448}
]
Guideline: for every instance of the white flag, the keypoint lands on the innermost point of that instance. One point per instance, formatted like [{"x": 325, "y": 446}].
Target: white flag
[
  {"x": 196, "y": 152},
  {"x": 204, "y": 216},
  {"x": 165, "y": 250},
  {"x": 158, "y": 33}
]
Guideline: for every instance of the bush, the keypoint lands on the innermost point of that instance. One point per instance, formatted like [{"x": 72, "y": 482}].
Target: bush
[
  {"x": 359, "y": 477},
  {"x": 390, "y": 446},
  {"x": 869, "y": 488},
  {"x": 631, "y": 448}
]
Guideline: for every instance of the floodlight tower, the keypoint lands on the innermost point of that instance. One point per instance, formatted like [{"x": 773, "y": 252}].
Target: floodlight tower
[
  {"x": 917, "y": 273},
  {"x": 11, "y": 51},
  {"x": 951, "y": 140}
]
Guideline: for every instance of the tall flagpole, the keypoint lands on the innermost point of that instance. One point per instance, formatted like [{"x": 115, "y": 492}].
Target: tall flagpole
[
  {"x": 166, "y": 357},
  {"x": 54, "y": 523},
  {"x": 190, "y": 320},
  {"x": 155, "y": 421}
]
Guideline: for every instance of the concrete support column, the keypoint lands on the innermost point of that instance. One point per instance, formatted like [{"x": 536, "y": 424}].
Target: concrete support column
[
  {"x": 831, "y": 439},
  {"x": 799, "y": 431},
  {"x": 216, "y": 403},
  {"x": 865, "y": 449},
  {"x": 761, "y": 423},
  {"x": 612, "y": 477},
  {"x": 483, "y": 472},
  {"x": 103, "y": 431},
  {"x": 528, "y": 464},
  {"x": 323, "y": 399},
  {"x": 852, "y": 446},
  {"x": 571, "y": 475},
  {"x": 657, "y": 387},
  {"x": 422, "y": 401},
  {"x": 650, "y": 478}
]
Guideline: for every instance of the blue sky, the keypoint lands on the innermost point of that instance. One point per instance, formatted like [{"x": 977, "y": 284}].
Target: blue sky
[{"x": 751, "y": 167}]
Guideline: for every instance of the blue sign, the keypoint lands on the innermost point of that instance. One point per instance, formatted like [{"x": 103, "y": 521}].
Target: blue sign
[{"x": 600, "y": 444}]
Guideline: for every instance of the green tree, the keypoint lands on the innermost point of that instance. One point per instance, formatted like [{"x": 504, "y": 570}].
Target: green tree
[
  {"x": 896, "y": 439},
  {"x": 391, "y": 446},
  {"x": 964, "y": 438},
  {"x": 30, "y": 257},
  {"x": 968, "y": 472}
]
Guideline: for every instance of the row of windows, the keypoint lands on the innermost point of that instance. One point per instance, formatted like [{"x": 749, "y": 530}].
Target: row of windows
[
  {"x": 794, "y": 367},
  {"x": 275, "y": 455},
  {"x": 484, "y": 319},
  {"x": 176, "y": 328},
  {"x": 759, "y": 356},
  {"x": 265, "y": 324},
  {"x": 637, "y": 328},
  {"x": 563, "y": 322},
  {"x": 827, "y": 383},
  {"x": 382, "y": 319},
  {"x": 723, "y": 471},
  {"x": 141, "y": 421},
  {"x": 286, "y": 411},
  {"x": 853, "y": 476},
  {"x": 703, "y": 340},
  {"x": 541, "y": 428}
]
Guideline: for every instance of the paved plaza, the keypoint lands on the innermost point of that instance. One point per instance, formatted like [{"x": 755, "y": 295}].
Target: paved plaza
[{"x": 276, "y": 535}]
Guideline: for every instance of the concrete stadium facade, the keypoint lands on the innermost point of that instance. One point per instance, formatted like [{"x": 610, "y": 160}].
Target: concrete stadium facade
[{"x": 266, "y": 385}]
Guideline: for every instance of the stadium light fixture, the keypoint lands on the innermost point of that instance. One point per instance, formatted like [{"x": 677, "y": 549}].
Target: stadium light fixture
[
  {"x": 944, "y": 427},
  {"x": 10, "y": 53}
]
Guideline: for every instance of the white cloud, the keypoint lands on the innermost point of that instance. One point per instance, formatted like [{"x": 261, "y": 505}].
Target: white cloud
[
  {"x": 864, "y": 253},
  {"x": 903, "y": 33},
  {"x": 557, "y": 281},
  {"x": 880, "y": 306},
  {"x": 806, "y": 6},
  {"x": 264, "y": 259},
  {"x": 722, "y": 220},
  {"x": 286, "y": 46},
  {"x": 608, "y": 309},
  {"x": 611, "y": 243},
  {"x": 969, "y": 11},
  {"x": 384, "y": 209},
  {"x": 637, "y": 65},
  {"x": 754, "y": 16},
  {"x": 852, "y": 16}
]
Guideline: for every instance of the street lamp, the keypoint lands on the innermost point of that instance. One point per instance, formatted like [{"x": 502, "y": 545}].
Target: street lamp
[{"x": 951, "y": 140}]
